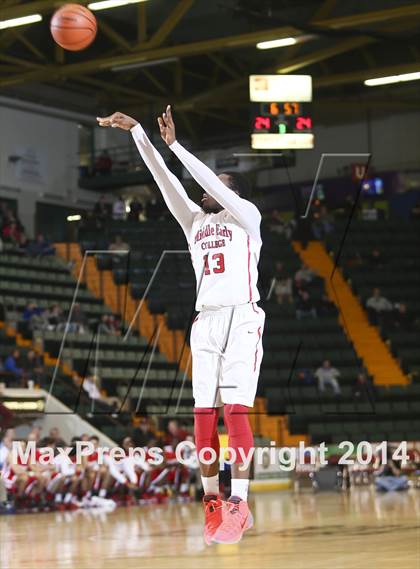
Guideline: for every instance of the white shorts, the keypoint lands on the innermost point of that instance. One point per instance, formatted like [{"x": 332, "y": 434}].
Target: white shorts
[{"x": 226, "y": 346}]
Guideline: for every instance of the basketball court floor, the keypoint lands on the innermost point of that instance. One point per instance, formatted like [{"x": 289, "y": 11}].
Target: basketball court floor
[{"x": 360, "y": 530}]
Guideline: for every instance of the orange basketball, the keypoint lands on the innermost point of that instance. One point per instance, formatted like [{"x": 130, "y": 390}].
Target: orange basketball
[{"x": 73, "y": 27}]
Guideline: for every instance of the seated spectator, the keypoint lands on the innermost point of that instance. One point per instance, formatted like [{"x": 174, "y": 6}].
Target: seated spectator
[
  {"x": 400, "y": 318},
  {"x": 323, "y": 223},
  {"x": 389, "y": 476},
  {"x": 174, "y": 434},
  {"x": 143, "y": 434},
  {"x": 364, "y": 388},
  {"x": 378, "y": 307},
  {"x": 327, "y": 375},
  {"x": 119, "y": 245},
  {"x": 41, "y": 247},
  {"x": 153, "y": 210},
  {"x": 33, "y": 368},
  {"x": 375, "y": 260},
  {"x": 305, "y": 377},
  {"x": 118, "y": 209},
  {"x": 11, "y": 233},
  {"x": 136, "y": 209},
  {"x": 283, "y": 290},
  {"x": 91, "y": 387},
  {"x": 305, "y": 274},
  {"x": 305, "y": 307},
  {"x": 34, "y": 315},
  {"x": 11, "y": 365},
  {"x": 78, "y": 320},
  {"x": 104, "y": 326},
  {"x": 54, "y": 318}
]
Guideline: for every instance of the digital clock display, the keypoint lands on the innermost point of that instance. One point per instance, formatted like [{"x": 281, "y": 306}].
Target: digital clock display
[
  {"x": 281, "y": 125},
  {"x": 280, "y": 106}
]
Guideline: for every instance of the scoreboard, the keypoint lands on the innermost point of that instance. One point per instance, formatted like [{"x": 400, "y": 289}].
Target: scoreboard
[{"x": 281, "y": 112}]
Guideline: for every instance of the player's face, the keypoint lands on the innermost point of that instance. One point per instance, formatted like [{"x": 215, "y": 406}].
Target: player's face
[{"x": 209, "y": 204}]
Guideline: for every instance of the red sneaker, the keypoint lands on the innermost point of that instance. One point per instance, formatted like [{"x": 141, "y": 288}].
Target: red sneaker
[
  {"x": 213, "y": 508},
  {"x": 237, "y": 519}
]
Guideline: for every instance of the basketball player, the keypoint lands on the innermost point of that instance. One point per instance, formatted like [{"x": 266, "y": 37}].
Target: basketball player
[{"x": 224, "y": 240}]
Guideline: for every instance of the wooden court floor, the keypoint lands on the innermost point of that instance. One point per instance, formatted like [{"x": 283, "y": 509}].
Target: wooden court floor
[{"x": 360, "y": 530}]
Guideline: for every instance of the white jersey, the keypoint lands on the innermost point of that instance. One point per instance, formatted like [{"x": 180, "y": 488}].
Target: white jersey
[{"x": 224, "y": 246}]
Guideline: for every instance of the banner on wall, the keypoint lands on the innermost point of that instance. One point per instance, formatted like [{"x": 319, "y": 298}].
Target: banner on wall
[{"x": 30, "y": 165}]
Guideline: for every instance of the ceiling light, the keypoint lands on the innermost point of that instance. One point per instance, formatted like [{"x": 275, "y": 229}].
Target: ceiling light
[
  {"x": 271, "y": 44},
  {"x": 74, "y": 217},
  {"x": 23, "y": 21},
  {"x": 105, "y": 4},
  {"x": 392, "y": 79}
]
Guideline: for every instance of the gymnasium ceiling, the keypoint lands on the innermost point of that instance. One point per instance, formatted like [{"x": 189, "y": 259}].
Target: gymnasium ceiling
[{"x": 211, "y": 44}]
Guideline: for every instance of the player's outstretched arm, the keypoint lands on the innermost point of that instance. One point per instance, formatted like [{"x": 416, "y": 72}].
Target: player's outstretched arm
[
  {"x": 242, "y": 210},
  {"x": 175, "y": 196}
]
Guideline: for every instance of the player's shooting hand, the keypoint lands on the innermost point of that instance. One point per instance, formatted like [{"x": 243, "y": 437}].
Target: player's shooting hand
[
  {"x": 167, "y": 126},
  {"x": 117, "y": 120}
]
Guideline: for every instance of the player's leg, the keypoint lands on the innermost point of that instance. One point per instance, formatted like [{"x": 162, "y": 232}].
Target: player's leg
[
  {"x": 206, "y": 366},
  {"x": 240, "y": 372}
]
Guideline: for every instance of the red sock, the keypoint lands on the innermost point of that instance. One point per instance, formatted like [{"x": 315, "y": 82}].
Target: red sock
[
  {"x": 239, "y": 430},
  {"x": 205, "y": 429}
]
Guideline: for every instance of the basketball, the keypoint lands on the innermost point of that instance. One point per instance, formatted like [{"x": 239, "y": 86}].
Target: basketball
[{"x": 73, "y": 27}]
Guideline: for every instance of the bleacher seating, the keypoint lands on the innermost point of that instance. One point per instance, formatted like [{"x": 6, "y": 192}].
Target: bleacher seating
[{"x": 398, "y": 275}]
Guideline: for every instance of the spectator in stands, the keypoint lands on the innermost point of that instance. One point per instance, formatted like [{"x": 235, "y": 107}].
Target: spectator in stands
[
  {"x": 55, "y": 435},
  {"x": 305, "y": 377},
  {"x": 118, "y": 209},
  {"x": 327, "y": 375},
  {"x": 136, "y": 209},
  {"x": 153, "y": 210},
  {"x": 54, "y": 318},
  {"x": 277, "y": 224},
  {"x": 11, "y": 233},
  {"x": 363, "y": 387},
  {"x": 103, "y": 163},
  {"x": 101, "y": 210},
  {"x": 325, "y": 307},
  {"x": 305, "y": 307},
  {"x": 41, "y": 247},
  {"x": 104, "y": 326},
  {"x": 11, "y": 365},
  {"x": 323, "y": 223},
  {"x": 378, "y": 307},
  {"x": 143, "y": 433},
  {"x": 283, "y": 290},
  {"x": 400, "y": 318},
  {"x": 375, "y": 260},
  {"x": 34, "y": 315},
  {"x": 119, "y": 244},
  {"x": 389, "y": 476},
  {"x": 304, "y": 274},
  {"x": 174, "y": 433},
  {"x": 78, "y": 320},
  {"x": 90, "y": 385},
  {"x": 33, "y": 367}
]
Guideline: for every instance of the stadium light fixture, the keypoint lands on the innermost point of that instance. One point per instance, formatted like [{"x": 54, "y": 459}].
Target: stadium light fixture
[
  {"x": 392, "y": 79},
  {"x": 23, "y": 21},
  {"x": 106, "y": 4},
  {"x": 271, "y": 44}
]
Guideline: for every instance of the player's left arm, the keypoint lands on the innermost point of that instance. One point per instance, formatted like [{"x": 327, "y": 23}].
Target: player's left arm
[{"x": 245, "y": 212}]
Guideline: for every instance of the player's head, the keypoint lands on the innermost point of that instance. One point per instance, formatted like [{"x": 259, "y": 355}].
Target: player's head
[{"x": 233, "y": 180}]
